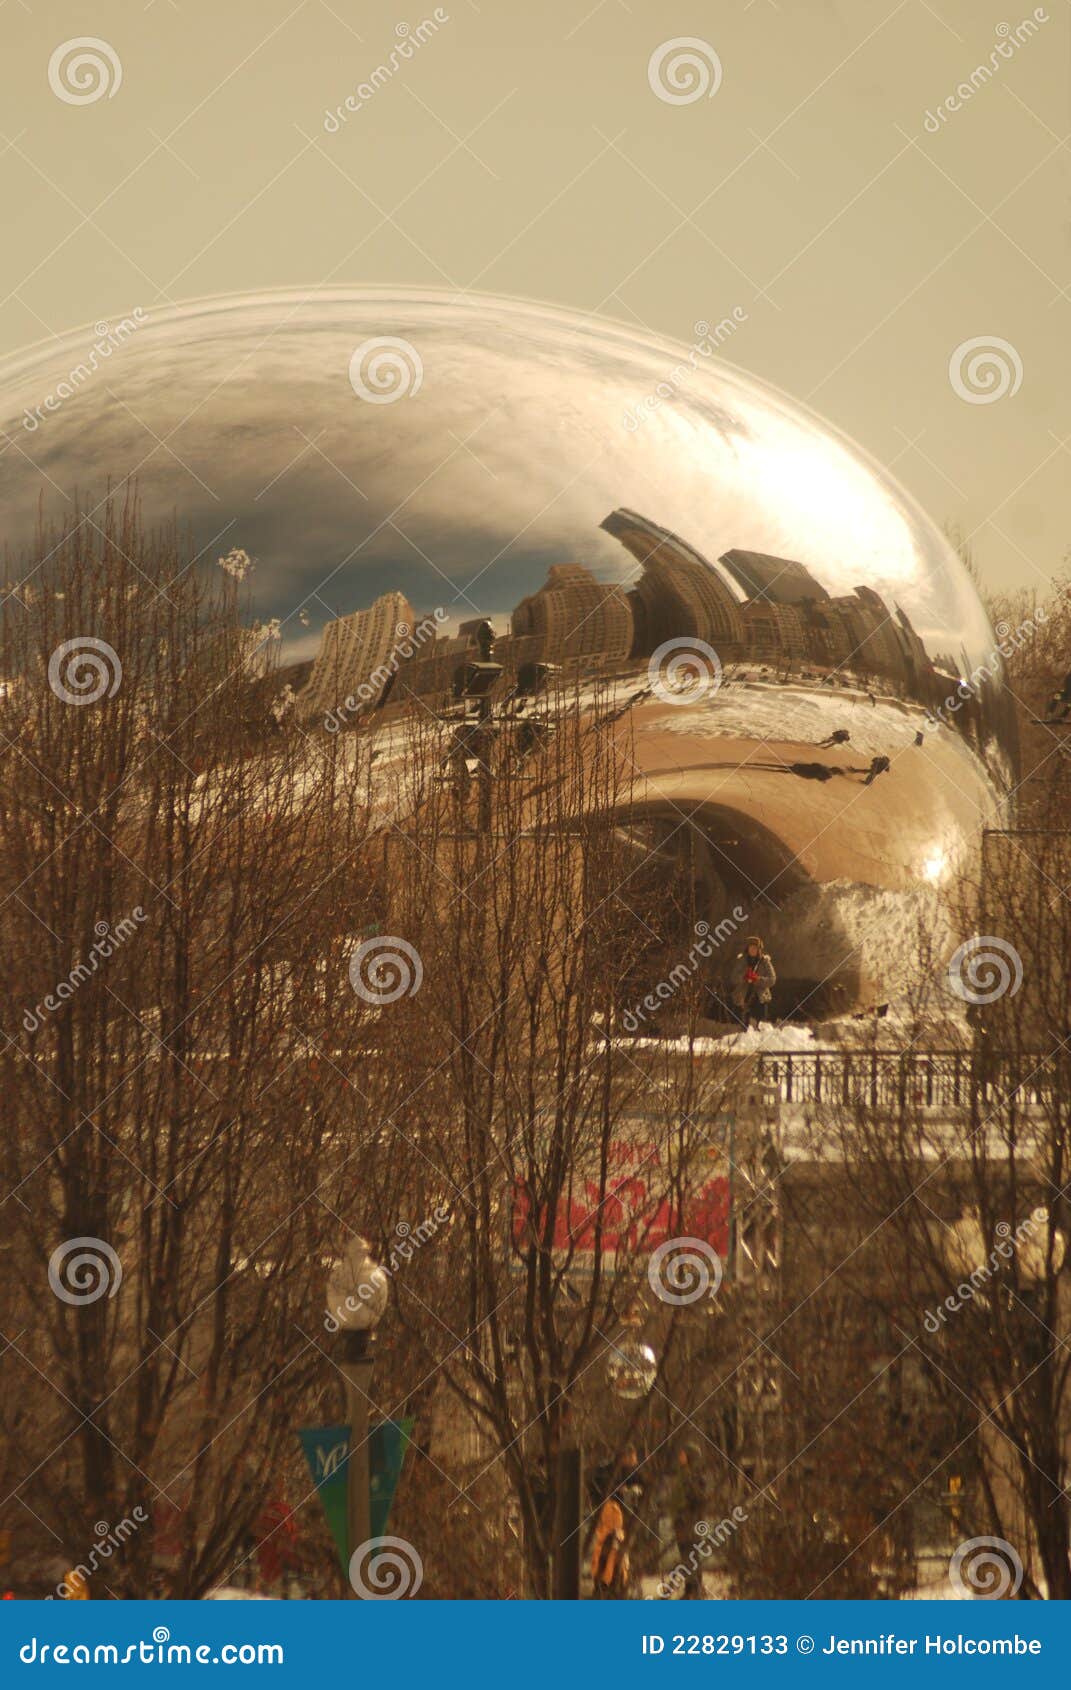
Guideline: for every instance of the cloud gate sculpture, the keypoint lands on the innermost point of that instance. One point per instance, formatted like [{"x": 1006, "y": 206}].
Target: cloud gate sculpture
[{"x": 819, "y": 708}]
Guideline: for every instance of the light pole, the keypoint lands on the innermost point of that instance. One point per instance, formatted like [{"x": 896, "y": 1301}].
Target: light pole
[
  {"x": 356, "y": 1300},
  {"x": 631, "y": 1372}
]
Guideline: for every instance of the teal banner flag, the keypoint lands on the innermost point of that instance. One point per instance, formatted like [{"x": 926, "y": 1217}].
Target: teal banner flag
[
  {"x": 327, "y": 1449},
  {"x": 386, "y": 1452}
]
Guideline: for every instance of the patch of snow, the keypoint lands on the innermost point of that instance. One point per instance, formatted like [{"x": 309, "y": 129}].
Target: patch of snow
[
  {"x": 800, "y": 715},
  {"x": 771, "y": 1035},
  {"x": 840, "y": 927}
]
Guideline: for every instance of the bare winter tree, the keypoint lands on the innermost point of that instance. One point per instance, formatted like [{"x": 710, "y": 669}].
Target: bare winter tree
[
  {"x": 267, "y": 988},
  {"x": 180, "y": 880},
  {"x": 559, "y": 1153},
  {"x": 964, "y": 1207}
]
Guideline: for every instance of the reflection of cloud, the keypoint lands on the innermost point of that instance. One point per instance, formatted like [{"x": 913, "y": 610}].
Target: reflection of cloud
[
  {"x": 299, "y": 649},
  {"x": 508, "y": 458}
]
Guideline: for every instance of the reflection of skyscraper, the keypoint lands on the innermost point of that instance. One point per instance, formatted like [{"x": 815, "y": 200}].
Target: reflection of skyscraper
[
  {"x": 871, "y": 637},
  {"x": 946, "y": 663},
  {"x": 825, "y": 633},
  {"x": 680, "y": 594},
  {"x": 352, "y": 651},
  {"x": 775, "y": 633},
  {"x": 917, "y": 661},
  {"x": 429, "y": 674},
  {"x": 779, "y": 580},
  {"x": 853, "y": 631},
  {"x": 513, "y": 651},
  {"x": 576, "y": 616},
  {"x": 573, "y": 620},
  {"x": 480, "y": 634}
]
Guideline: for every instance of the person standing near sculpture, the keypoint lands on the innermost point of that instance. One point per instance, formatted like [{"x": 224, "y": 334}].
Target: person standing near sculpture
[{"x": 752, "y": 980}]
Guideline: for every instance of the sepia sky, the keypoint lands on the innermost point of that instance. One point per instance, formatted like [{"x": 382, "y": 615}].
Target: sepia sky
[{"x": 533, "y": 151}]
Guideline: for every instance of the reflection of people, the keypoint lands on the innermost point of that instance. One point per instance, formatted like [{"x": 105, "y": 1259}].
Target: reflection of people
[
  {"x": 753, "y": 979},
  {"x": 878, "y": 766}
]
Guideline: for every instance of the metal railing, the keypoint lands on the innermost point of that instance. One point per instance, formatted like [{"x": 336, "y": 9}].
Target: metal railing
[{"x": 936, "y": 1079}]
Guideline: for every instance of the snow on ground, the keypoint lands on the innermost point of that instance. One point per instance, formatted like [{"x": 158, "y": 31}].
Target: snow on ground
[
  {"x": 772, "y": 1036},
  {"x": 784, "y": 1035},
  {"x": 897, "y": 1030},
  {"x": 797, "y": 713},
  {"x": 801, "y": 714},
  {"x": 843, "y": 926}
]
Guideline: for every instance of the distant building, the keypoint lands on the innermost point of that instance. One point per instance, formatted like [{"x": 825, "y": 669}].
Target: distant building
[
  {"x": 358, "y": 651},
  {"x": 919, "y": 667},
  {"x": 480, "y": 634},
  {"x": 779, "y": 580},
  {"x": 575, "y": 616},
  {"x": 514, "y": 651},
  {"x": 774, "y": 633},
  {"x": 869, "y": 633},
  {"x": 430, "y": 673},
  {"x": 575, "y": 623},
  {"x": 946, "y": 664},
  {"x": 680, "y": 594},
  {"x": 827, "y": 635},
  {"x": 435, "y": 665}
]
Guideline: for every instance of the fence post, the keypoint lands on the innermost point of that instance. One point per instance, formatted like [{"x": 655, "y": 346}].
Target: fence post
[{"x": 873, "y": 1079}]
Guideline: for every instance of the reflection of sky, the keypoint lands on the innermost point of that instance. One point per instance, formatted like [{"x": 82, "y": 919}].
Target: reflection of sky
[{"x": 239, "y": 416}]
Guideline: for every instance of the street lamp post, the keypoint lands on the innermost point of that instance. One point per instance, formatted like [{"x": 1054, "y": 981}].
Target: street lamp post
[
  {"x": 631, "y": 1371},
  {"x": 356, "y": 1300},
  {"x": 569, "y": 1493}
]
